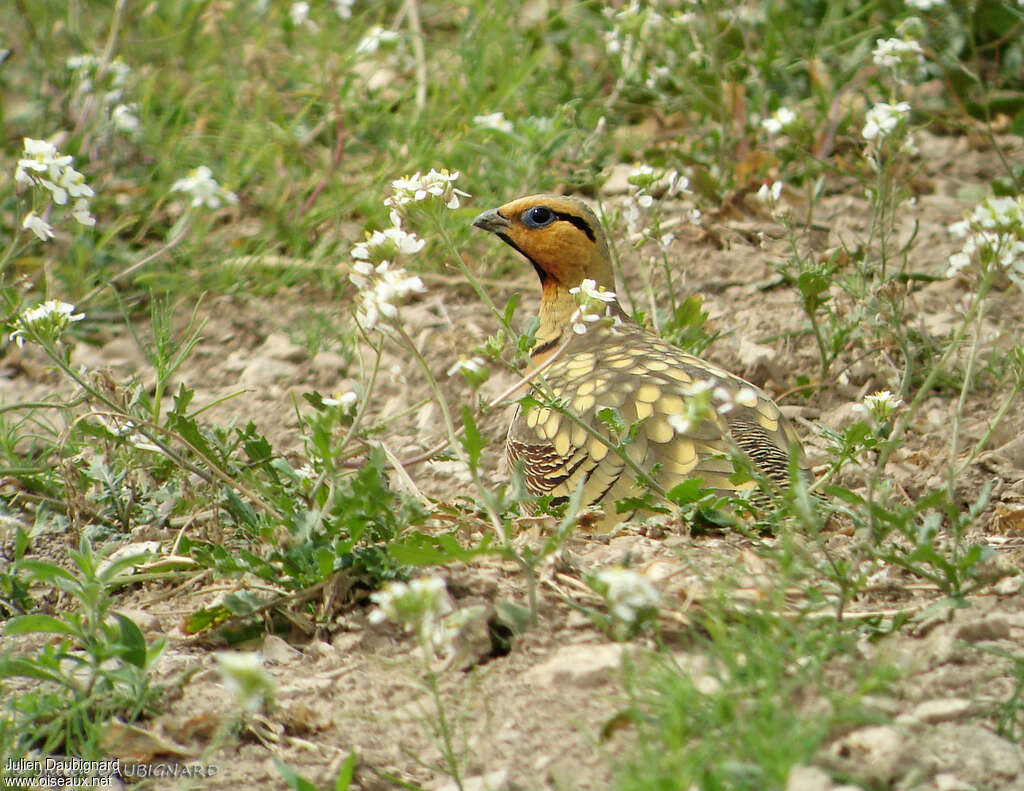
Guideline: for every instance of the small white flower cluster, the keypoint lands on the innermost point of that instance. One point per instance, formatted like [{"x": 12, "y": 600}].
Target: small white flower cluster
[
  {"x": 347, "y": 401},
  {"x": 474, "y": 370},
  {"x": 630, "y": 596},
  {"x": 883, "y": 119},
  {"x": 903, "y": 58},
  {"x": 373, "y": 38},
  {"x": 495, "y": 121},
  {"x": 44, "y": 166},
  {"x": 204, "y": 189},
  {"x": 383, "y": 288},
  {"x": 244, "y": 675},
  {"x": 706, "y": 397},
  {"x": 90, "y": 74},
  {"x": 45, "y": 322},
  {"x": 925, "y": 5},
  {"x": 298, "y": 13},
  {"x": 769, "y": 193},
  {"x": 642, "y": 180},
  {"x": 878, "y": 406},
  {"x": 993, "y": 236},
  {"x": 384, "y": 284},
  {"x": 421, "y": 606},
  {"x": 590, "y": 299},
  {"x": 779, "y": 121},
  {"x": 343, "y": 8},
  {"x": 389, "y": 243},
  {"x": 633, "y": 29},
  {"x": 417, "y": 187}
]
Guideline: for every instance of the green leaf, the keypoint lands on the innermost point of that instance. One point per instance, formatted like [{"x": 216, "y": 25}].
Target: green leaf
[
  {"x": 690, "y": 491},
  {"x": 345, "y": 772},
  {"x": 420, "y": 549},
  {"x": 41, "y": 571},
  {"x": 46, "y": 624},
  {"x": 472, "y": 441},
  {"x": 133, "y": 643},
  {"x": 293, "y": 778},
  {"x": 510, "y": 309}
]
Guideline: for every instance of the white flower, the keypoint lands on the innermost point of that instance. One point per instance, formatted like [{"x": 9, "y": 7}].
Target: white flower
[
  {"x": 678, "y": 184},
  {"x": 80, "y": 211},
  {"x": 729, "y": 400},
  {"x": 883, "y": 118},
  {"x": 422, "y": 606},
  {"x": 878, "y": 406},
  {"x": 243, "y": 674},
  {"x": 346, "y": 400},
  {"x": 495, "y": 121},
  {"x": 779, "y": 120},
  {"x": 387, "y": 244},
  {"x": 40, "y": 227},
  {"x": 473, "y": 370},
  {"x": 417, "y": 187},
  {"x": 299, "y": 13},
  {"x": 343, "y": 8},
  {"x": 41, "y": 156},
  {"x": 580, "y": 320},
  {"x": 372, "y": 40},
  {"x": 628, "y": 594},
  {"x": 680, "y": 424},
  {"x": 474, "y": 365},
  {"x": 891, "y": 52},
  {"x": 124, "y": 119},
  {"x": 590, "y": 298},
  {"x": 45, "y": 322},
  {"x": 204, "y": 189},
  {"x": 925, "y": 5},
  {"x": 383, "y": 288},
  {"x": 993, "y": 236},
  {"x": 82, "y": 62},
  {"x": 769, "y": 193},
  {"x": 588, "y": 289}
]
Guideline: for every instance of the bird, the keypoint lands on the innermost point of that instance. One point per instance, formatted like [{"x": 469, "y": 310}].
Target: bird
[{"x": 558, "y": 438}]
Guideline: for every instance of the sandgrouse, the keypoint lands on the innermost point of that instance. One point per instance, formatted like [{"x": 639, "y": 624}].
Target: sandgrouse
[{"x": 617, "y": 363}]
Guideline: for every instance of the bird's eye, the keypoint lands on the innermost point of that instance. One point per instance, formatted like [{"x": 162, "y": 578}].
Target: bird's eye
[{"x": 538, "y": 217}]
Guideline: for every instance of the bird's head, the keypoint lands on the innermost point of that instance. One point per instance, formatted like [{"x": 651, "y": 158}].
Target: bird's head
[{"x": 560, "y": 236}]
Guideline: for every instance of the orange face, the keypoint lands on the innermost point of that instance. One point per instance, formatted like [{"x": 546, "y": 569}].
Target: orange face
[{"x": 560, "y": 236}]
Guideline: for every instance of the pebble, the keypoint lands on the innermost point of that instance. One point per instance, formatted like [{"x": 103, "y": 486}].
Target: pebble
[{"x": 580, "y": 665}]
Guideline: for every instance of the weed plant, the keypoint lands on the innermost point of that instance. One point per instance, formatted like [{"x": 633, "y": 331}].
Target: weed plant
[{"x": 164, "y": 155}]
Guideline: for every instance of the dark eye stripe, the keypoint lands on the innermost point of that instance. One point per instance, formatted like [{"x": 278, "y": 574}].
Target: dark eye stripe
[{"x": 578, "y": 221}]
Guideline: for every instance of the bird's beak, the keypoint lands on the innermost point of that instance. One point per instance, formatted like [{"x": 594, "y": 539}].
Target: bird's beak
[{"x": 491, "y": 221}]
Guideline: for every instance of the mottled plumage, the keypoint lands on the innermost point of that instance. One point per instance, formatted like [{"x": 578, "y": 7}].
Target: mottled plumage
[{"x": 620, "y": 364}]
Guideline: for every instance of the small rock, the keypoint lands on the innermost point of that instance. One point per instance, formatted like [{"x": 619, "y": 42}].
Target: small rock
[
  {"x": 262, "y": 372},
  {"x": 991, "y": 627},
  {"x": 808, "y": 778},
  {"x": 277, "y": 651},
  {"x": 492, "y": 781},
  {"x": 1009, "y": 586},
  {"x": 617, "y": 180},
  {"x": 330, "y": 363},
  {"x": 874, "y": 754},
  {"x": 318, "y": 649},
  {"x": 841, "y": 416},
  {"x": 753, "y": 354},
  {"x": 979, "y": 756},
  {"x": 931, "y": 712},
  {"x": 947, "y": 781},
  {"x": 579, "y": 665},
  {"x": 279, "y": 346}
]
